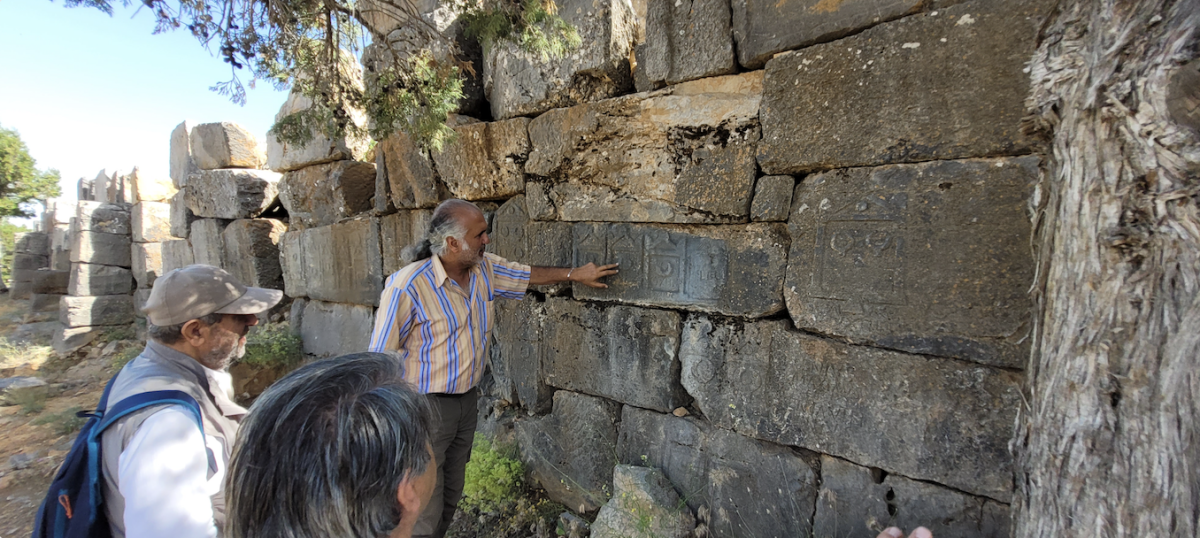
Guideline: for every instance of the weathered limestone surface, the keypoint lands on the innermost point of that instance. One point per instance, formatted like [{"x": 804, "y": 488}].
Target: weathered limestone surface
[
  {"x": 519, "y": 83},
  {"x": 29, "y": 262},
  {"x": 853, "y": 502},
  {"x": 326, "y": 193},
  {"x": 752, "y": 488},
  {"x": 20, "y": 289},
  {"x": 644, "y": 505},
  {"x": 48, "y": 302},
  {"x": 763, "y": 28},
  {"x": 684, "y": 40},
  {"x": 408, "y": 171},
  {"x": 140, "y": 297},
  {"x": 342, "y": 263},
  {"x": 88, "y": 279},
  {"x": 176, "y": 253},
  {"x": 181, "y": 216},
  {"x": 772, "y": 198},
  {"x": 182, "y": 164},
  {"x": 148, "y": 189},
  {"x": 94, "y": 311},
  {"x": 733, "y": 270},
  {"x": 101, "y": 248},
  {"x": 571, "y": 452},
  {"x": 252, "y": 252},
  {"x": 208, "y": 242},
  {"x": 60, "y": 247},
  {"x": 517, "y": 355},
  {"x": 100, "y": 188},
  {"x": 151, "y": 222},
  {"x": 285, "y": 157},
  {"x": 231, "y": 194},
  {"x": 68, "y": 339},
  {"x": 225, "y": 145},
  {"x": 103, "y": 218},
  {"x": 147, "y": 263},
  {"x": 330, "y": 329},
  {"x": 36, "y": 243},
  {"x": 930, "y": 419},
  {"x": 292, "y": 263},
  {"x": 515, "y": 237},
  {"x": 622, "y": 353},
  {"x": 931, "y": 258},
  {"x": 926, "y": 87},
  {"x": 399, "y": 230},
  {"x": 484, "y": 162},
  {"x": 684, "y": 154},
  {"x": 48, "y": 281}
]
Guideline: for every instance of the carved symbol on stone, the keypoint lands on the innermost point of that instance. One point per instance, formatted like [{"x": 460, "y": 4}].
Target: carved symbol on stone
[
  {"x": 863, "y": 263},
  {"x": 591, "y": 246},
  {"x": 708, "y": 268},
  {"x": 625, "y": 249},
  {"x": 665, "y": 255}
]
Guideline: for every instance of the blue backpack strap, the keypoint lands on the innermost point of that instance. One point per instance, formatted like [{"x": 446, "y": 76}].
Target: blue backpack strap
[{"x": 122, "y": 409}]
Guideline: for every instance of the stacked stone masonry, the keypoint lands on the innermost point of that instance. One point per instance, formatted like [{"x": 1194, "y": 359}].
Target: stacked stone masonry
[{"x": 819, "y": 211}]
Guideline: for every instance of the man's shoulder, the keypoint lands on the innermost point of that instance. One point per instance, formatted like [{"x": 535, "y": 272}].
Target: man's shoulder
[{"x": 403, "y": 279}]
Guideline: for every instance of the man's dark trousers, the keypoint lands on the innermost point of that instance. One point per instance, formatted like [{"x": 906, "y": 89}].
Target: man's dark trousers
[{"x": 455, "y": 416}]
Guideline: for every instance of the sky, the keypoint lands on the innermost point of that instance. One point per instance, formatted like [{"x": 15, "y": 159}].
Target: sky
[{"x": 88, "y": 92}]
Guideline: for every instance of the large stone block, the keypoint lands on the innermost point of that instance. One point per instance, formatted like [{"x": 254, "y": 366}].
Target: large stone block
[
  {"x": 182, "y": 164},
  {"x": 948, "y": 86},
  {"x": 20, "y": 290},
  {"x": 752, "y": 488},
  {"x": 734, "y": 270},
  {"x": 252, "y": 252},
  {"x": 147, "y": 264},
  {"x": 763, "y": 28},
  {"x": 399, "y": 230},
  {"x": 48, "y": 302},
  {"x": 176, "y": 253},
  {"x": 931, "y": 258},
  {"x": 35, "y": 243},
  {"x": 28, "y": 262},
  {"x": 517, "y": 355},
  {"x": 571, "y": 452},
  {"x": 101, "y": 248},
  {"x": 515, "y": 237},
  {"x": 285, "y": 157},
  {"x": 101, "y": 190},
  {"x": 343, "y": 262},
  {"x": 772, "y": 198},
  {"x": 856, "y": 501},
  {"x": 622, "y": 353},
  {"x": 103, "y": 218},
  {"x": 644, "y": 505},
  {"x": 88, "y": 279},
  {"x": 49, "y": 281},
  {"x": 60, "y": 247},
  {"x": 684, "y": 40},
  {"x": 225, "y": 145},
  {"x": 519, "y": 83},
  {"x": 293, "y": 263},
  {"x": 231, "y": 194},
  {"x": 181, "y": 216},
  {"x": 930, "y": 419},
  {"x": 324, "y": 194},
  {"x": 683, "y": 154},
  {"x": 151, "y": 222},
  {"x": 408, "y": 171},
  {"x": 69, "y": 339},
  {"x": 484, "y": 161},
  {"x": 208, "y": 242},
  {"x": 150, "y": 189},
  {"x": 331, "y": 329},
  {"x": 95, "y": 311}
]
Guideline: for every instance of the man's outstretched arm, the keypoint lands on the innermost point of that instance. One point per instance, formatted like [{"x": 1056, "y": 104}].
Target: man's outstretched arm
[{"x": 588, "y": 275}]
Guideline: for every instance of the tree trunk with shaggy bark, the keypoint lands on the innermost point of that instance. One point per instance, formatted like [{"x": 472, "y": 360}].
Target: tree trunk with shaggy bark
[{"x": 1109, "y": 443}]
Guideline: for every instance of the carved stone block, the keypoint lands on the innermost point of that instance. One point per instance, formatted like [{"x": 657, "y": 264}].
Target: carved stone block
[
  {"x": 734, "y": 270},
  {"x": 685, "y": 40},
  {"x": 326, "y": 193},
  {"x": 103, "y": 218},
  {"x": 763, "y": 28},
  {"x": 409, "y": 173},
  {"x": 252, "y": 251},
  {"x": 92, "y": 280},
  {"x": 343, "y": 262},
  {"x": 772, "y": 198},
  {"x": 571, "y": 452},
  {"x": 485, "y": 160},
  {"x": 231, "y": 194},
  {"x": 929, "y": 258},
  {"x": 151, "y": 222},
  {"x": 93, "y": 311},
  {"x": 101, "y": 248}
]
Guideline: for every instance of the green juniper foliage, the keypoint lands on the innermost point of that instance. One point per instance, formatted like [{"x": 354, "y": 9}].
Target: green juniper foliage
[
  {"x": 21, "y": 183},
  {"x": 273, "y": 344},
  {"x": 313, "y": 45}
]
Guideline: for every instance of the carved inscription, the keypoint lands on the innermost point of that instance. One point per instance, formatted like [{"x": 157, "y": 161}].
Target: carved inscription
[
  {"x": 509, "y": 229},
  {"x": 656, "y": 264},
  {"x": 864, "y": 242}
]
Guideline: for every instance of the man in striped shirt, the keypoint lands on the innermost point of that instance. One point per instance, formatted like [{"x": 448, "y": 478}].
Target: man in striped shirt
[{"x": 436, "y": 314}]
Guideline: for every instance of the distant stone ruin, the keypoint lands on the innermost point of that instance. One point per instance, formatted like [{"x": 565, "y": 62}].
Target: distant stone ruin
[{"x": 820, "y": 214}]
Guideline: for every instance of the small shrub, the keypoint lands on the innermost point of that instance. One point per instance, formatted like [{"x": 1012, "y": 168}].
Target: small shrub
[
  {"x": 121, "y": 358},
  {"x": 491, "y": 477},
  {"x": 63, "y": 422},
  {"x": 125, "y": 332},
  {"x": 20, "y": 352},
  {"x": 272, "y": 345},
  {"x": 32, "y": 402}
]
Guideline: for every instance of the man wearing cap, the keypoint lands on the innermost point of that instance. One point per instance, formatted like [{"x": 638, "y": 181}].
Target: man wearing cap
[{"x": 162, "y": 475}]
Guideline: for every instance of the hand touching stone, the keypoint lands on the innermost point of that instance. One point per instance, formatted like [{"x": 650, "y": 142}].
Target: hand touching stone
[
  {"x": 894, "y": 532},
  {"x": 590, "y": 275}
]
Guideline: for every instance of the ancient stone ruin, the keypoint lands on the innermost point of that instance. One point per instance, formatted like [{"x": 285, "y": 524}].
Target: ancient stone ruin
[{"x": 820, "y": 214}]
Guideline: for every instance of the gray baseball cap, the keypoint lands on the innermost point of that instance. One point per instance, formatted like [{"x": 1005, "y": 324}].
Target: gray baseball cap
[{"x": 196, "y": 291}]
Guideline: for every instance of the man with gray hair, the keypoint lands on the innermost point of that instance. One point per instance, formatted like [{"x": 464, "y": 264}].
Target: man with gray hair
[
  {"x": 339, "y": 447},
  {"x": 436, "y": 314},
  {"x": 162, "y": 475}
]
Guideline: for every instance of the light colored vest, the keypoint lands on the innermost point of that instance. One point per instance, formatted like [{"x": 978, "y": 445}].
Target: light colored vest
[{"x": 162, "y": 368}]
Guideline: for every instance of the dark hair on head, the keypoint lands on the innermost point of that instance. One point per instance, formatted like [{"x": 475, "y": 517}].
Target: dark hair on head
[
  {"x": 323, "y": 451},
  {"x": 446, "y": 222}
]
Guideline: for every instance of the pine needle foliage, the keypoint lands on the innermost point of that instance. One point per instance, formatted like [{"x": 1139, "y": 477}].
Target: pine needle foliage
[{"x": 313, "y": 47}]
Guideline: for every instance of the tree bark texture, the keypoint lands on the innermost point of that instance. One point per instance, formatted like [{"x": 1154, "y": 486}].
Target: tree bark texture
[{"x": 1109, "y": 442}]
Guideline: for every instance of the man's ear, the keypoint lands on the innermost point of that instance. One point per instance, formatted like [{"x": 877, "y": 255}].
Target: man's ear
[
  {"x": 194, "y": 332},
  {"x": 453, "y": 244},
  {"x": 409, "y": 498}
]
